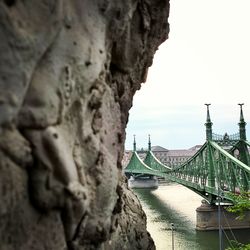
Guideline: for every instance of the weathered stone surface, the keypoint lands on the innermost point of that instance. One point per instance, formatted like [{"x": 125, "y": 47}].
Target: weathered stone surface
[{"x": 68, "y": 73}]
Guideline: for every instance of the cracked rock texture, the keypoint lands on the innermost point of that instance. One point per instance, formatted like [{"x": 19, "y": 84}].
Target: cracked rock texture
[{"x": 68, "y": 73}]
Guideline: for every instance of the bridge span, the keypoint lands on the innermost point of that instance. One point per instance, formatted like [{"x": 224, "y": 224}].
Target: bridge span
[{"x": 220, "y": 168}]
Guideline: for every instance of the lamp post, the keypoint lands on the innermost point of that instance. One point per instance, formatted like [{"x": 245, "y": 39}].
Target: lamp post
[
  {"x": 220, "y": 199},
  {"x": 172, "y": 229}
]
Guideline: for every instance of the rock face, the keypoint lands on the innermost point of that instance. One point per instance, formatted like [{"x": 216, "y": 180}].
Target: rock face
[{"x": 68, "y": 73}]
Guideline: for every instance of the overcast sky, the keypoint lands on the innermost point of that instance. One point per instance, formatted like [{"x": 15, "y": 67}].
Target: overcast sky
[{"x": 205, "y": 60}]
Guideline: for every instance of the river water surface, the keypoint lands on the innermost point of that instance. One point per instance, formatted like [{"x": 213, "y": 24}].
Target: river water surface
[{"x": 173, "y": 203}]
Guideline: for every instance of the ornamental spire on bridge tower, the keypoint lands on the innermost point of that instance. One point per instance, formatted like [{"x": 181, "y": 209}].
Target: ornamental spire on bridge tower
[
  {"x": 149, "y": 143},
  {"x": 208, "y": 124},
  {"x": 134, "y": 145},
  {"x": 242, "y": 124}
]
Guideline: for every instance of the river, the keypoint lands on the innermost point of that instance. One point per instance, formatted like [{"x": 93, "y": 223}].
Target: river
[{"x": 173, "y": 203}]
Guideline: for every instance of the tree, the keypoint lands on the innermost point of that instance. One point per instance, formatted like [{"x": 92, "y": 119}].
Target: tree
[{"x": 241, "y": 205}]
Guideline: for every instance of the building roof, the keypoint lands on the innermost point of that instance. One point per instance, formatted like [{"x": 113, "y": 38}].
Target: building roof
[
  {"x": 196, "y": 147},
  {"x": 180, "y": 152},
  {"x": 158, "y": 148}
]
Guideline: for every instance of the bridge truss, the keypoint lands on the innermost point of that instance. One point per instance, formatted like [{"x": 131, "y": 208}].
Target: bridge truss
[{"x": 218, "y": 169}]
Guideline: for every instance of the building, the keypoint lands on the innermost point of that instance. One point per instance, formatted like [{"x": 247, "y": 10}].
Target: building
[{"x": 174, "y": 157}]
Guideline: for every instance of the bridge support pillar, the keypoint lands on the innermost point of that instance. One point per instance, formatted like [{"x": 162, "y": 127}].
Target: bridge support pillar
[{"x": 207, "y": 218}]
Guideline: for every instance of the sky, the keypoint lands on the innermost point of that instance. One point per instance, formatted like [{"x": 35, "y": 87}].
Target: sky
[{"x": 205, "y": 60}]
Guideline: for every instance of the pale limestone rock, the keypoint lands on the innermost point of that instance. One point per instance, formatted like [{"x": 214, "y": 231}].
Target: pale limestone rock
[{"x": 68, "y": 73}]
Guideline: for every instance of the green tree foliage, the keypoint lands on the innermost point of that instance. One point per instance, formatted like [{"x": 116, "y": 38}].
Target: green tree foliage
[
  {"x": 241, "y": 205},
  {"x": 238, "y": 246}
]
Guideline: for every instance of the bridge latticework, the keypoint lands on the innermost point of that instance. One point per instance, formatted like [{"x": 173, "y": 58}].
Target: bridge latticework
[
  {"x": 219, "y": 168},
  {"x": 226, "y": 140},
  {"x": 151, "y": 161},
  {"x": 212, "y": 171},
  {"x": 137, "y": 167}
]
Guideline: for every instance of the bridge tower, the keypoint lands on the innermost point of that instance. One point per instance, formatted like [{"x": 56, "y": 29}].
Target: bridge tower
[
  {"x": 242, "y": 146},
  {"x": 209, "y": 161},
  {"x": 242, "y": 124},
  {"x": 207, "y": 214},
  {"x": 134, "y": 145},
  {"x": 208, "y": 124},
  {"x": 149, "y": 143}
]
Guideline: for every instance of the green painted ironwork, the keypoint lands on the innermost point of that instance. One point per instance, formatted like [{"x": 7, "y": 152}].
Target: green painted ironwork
[
  {"x": 215, "y": 170},
  {"x": 208, "y": 124},
  {"x": 134, "y": 144},
  {"x": 229, "y": 140},
  {"x": 137, "y": 167},
  {"x": 151, "y": 161},
  {"x": 226, "y": 140},
  {"x": 149, "y": 143},
  {"x": 242, "y": 124}
]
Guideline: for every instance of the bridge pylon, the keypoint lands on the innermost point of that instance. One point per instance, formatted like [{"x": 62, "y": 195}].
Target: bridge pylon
[
  {"x": 208, "y": 124},
  {"x": 149, "y": 143},
  {"x": 134, "y": 145},
  {"x": 242, "y": 124}
]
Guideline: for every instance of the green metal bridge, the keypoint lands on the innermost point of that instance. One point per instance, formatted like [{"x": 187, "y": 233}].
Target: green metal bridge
[{"x": 218, "y": 169}]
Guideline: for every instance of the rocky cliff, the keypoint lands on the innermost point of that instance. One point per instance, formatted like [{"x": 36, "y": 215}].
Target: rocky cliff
[{"x": 68, "y": 73}]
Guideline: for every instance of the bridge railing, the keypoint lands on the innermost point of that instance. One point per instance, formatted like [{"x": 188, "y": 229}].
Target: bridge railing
[
  {"x": 218, "y": 137},
  {"x": 226, "y": 140}
]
